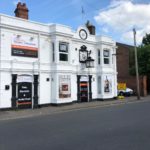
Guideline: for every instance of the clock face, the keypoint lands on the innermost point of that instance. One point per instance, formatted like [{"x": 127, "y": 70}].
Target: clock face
[
  {"x": 83, "y": 34},
  {"x": 83, "y": 56}
]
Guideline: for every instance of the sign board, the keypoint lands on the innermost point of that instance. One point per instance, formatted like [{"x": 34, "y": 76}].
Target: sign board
[
  {"x": 24, "y": 78},
  {"x": 24, "y": 91},
  {"x": 122, "y": 86},
  {"x": 84, "y": 78},
  {"x": 25, "y": 46}
]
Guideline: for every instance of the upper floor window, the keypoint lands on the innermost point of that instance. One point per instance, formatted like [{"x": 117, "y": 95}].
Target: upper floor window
[
  {"x": 99, "y": 57},
  {"x": 106, "y": 56},
  {"x": 53, "y": 52},
  {"x": 63, "y": 51}
]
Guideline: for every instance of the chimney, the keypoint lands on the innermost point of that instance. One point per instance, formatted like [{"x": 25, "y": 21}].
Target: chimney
[
  {"x": 21, "y": 11},
  {"x": 90, "y": 27}
]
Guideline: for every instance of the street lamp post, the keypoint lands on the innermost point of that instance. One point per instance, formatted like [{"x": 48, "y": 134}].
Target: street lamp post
[{"x": 136, "y": 65}]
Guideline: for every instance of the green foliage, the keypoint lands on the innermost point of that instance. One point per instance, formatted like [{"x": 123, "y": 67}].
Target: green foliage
[
  {"x": 143, "y": 53},
  {"x": 146, "y": 40}
]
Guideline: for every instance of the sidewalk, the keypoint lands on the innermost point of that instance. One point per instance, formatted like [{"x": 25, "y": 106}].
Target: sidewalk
[{"x": 16, "y": 114}]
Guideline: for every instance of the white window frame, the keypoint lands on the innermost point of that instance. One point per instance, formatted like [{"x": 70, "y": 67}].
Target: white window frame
[
  {"x": 106, "y": 56},
  {"x": 64, "y": 51}
]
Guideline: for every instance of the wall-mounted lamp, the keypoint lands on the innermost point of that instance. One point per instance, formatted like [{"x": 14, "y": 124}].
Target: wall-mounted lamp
[
  {"x": 18, "y": 36},
  {"x": 31, "y": 38}
]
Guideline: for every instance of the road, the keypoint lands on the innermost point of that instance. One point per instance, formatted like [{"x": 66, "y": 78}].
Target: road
[{"x": 122, "y": 127}]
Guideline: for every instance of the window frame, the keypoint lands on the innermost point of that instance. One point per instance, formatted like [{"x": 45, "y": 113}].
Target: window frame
[
  {"x": 53, "y": 52},
  {"x": 99, "y": 57},
  {"x": 106, "y": 58},
  {"x": 99, "y": 81},
  {"x": 64, "y": 51}
]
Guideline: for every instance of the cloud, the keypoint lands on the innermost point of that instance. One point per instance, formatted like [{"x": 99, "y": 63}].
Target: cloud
[{"x": 123, "y": 15}]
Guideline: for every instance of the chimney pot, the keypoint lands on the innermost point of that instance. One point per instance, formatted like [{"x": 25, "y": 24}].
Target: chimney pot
[
  {"x": 90, "y": 27},
  {"x": 21, "y": 11}
]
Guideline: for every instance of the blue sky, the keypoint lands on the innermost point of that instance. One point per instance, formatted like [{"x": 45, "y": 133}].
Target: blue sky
[{"x": 114, "y": 18}]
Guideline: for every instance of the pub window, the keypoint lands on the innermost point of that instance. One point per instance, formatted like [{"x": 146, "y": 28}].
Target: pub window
[
  {"x": 106, "y": 55},
  {"x": 99, "y": 57},
  {"x": 63, "y": 51},
  {"x": 53, "y": 52},
  {"x": 99, "y": 84}
]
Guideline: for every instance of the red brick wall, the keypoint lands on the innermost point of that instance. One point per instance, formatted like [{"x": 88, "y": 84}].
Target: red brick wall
[{"x": 123, "y": 52}]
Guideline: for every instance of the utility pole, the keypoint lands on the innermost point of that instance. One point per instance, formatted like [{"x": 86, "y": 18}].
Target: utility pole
[{"x": 136, "y": 65}]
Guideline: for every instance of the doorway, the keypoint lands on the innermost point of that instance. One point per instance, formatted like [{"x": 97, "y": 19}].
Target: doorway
[
  {"x": 24, "y": 91},
  {"x": 84, "y": 91}
]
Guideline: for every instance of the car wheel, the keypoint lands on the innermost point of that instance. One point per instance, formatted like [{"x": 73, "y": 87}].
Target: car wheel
[{"x": 121, "y": 94}]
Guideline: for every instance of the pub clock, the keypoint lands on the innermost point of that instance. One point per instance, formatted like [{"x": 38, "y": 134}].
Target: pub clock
[
  {"x": 83, "y": 34},
  {"x": 83, "y": 54}
]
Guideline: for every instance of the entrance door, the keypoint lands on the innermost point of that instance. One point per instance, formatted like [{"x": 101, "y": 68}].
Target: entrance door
[
  {"x": 24, "y": 91},
  {"x": 24, "y": 95},
  {"x": 22, "y": 87},
  {"x": 84, "y": 91}
]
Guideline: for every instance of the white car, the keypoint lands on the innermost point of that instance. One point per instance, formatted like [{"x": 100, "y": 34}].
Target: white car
[{"x": 126, "y": 92}]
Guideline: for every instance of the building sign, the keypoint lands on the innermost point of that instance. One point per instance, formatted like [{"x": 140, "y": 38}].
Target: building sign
[
  {"x": 25, "y": 46},
  {"x": 107, "y": 84},
  {"x": 64, "y": 86},
  {"x": 122, "y": 86},
  {"x": 24, "y": 83}
]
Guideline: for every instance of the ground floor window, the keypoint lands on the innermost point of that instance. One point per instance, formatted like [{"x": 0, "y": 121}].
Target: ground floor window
[
  {"x": 64, "y": 86},
  {"x": 99, "y": 84},
  {"x": 107, "y": 84}
]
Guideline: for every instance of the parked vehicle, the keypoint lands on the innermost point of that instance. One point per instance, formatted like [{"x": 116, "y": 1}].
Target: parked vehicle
[{"x": 126, "y": 92}]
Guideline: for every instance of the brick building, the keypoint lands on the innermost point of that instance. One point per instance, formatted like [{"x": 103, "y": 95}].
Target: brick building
[{"x": 124, "y": 61}]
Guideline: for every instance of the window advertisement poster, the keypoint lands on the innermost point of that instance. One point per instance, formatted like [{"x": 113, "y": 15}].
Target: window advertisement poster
[
  {"x": 107, "y": 84},
  {"x": 24, "y": 46},
  {"x": 64, "y": 86}
]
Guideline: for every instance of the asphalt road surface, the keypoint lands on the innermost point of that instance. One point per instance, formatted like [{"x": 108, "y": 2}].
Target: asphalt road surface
[{"x": 123, "y": 127}]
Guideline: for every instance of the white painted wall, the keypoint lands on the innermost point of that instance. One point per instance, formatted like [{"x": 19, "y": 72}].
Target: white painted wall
[{"x": 45, "y": 35}]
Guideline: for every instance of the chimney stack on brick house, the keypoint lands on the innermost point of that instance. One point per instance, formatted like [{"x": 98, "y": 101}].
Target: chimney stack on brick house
[
  {"x": 21, "y": 11},
  {"x": 91, "y": 28}
]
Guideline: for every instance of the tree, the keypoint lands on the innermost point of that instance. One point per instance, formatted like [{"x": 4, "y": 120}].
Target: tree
[
  {"x": 146, "y": 40},
  {"x": 143, "y": 54}
]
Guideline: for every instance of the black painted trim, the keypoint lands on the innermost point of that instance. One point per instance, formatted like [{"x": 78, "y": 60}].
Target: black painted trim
[
  {"x": 35, "y": 97},
  {"x": 14, "y": 98},
  {"x": 78, "y": 88}
]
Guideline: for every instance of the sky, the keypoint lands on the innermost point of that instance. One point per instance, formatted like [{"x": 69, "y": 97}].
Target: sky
[{"x": 114, "y": 18}]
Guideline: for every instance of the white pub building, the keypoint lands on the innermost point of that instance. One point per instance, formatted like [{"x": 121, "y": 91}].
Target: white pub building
[{"x": 43, "y": 64}]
